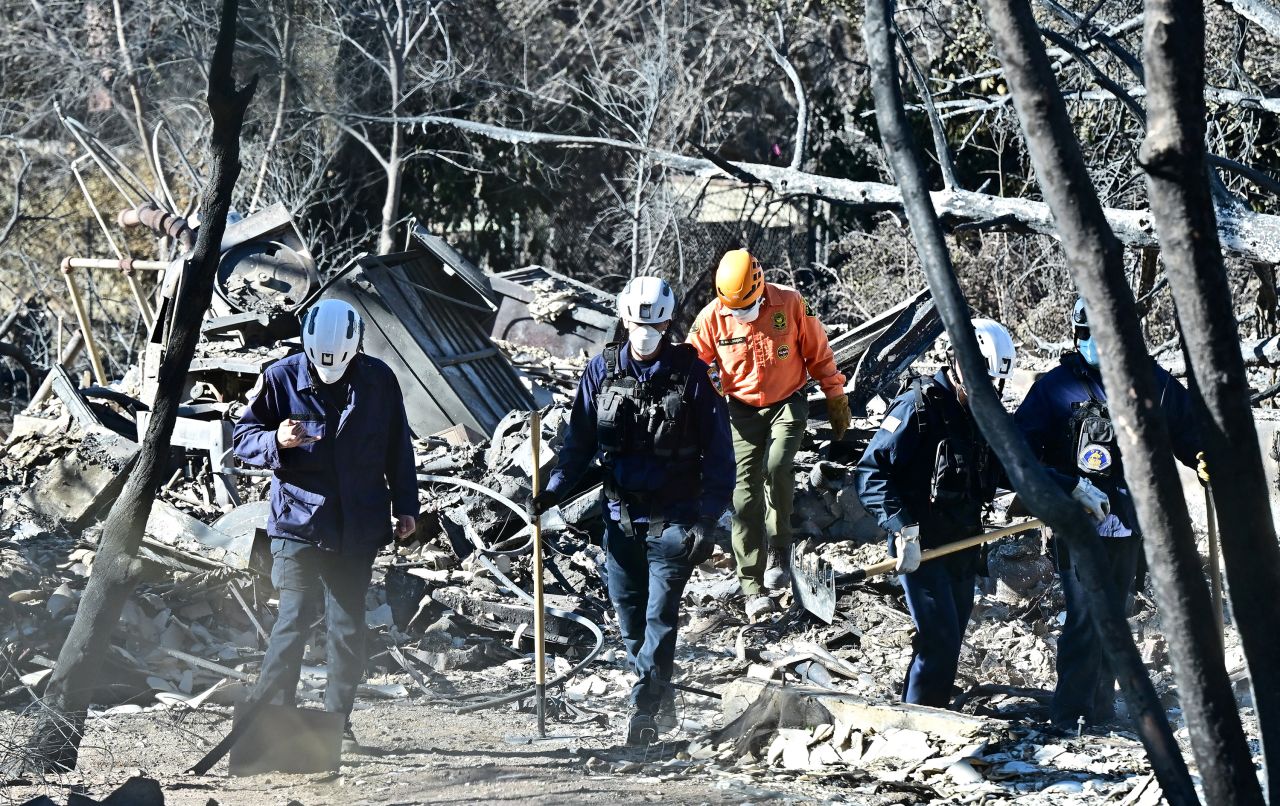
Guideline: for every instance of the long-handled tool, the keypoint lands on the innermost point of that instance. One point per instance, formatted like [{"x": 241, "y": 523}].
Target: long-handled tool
[
  {"x": 539, "y": 653},
  {"x": 885, "y": 567},
  {"x": 1215, "y": 570}
]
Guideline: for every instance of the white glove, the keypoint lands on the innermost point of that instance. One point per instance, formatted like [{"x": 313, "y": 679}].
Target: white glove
[
  {"x": 1095, "y": 501},
  {"x": 907, "y": 544}
]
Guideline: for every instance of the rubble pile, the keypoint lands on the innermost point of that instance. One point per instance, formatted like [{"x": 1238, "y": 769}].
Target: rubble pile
[{"x": 804, "y": 703}]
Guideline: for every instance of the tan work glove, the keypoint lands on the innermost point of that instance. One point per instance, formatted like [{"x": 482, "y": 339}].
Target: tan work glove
[{"x": 839, "y": 415}]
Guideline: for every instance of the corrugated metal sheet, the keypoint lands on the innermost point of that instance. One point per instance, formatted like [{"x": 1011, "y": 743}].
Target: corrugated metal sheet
[{"x": 424, "y": 320}]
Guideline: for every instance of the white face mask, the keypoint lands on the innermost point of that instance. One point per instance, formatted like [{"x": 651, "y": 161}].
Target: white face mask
[
  {"x": 645, "y": 339},
  {"x": 747, "y": 315}
]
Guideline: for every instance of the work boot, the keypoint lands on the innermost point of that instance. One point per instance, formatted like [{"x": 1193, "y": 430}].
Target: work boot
[
  {"x": 777, "y": 573},
  {"x": 759, "y": 605},
  {"x": 349, "y": 742},
  {"x": 666, "y": 718},
  {"x": 642, "y": 729}
]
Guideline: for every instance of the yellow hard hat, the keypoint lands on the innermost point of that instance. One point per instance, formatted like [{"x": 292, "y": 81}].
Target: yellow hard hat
[{"x": 739, "y": 279}]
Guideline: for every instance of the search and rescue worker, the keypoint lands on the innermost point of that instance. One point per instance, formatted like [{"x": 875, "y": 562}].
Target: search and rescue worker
[
  {"x": 649, "y": 410},
  {"x": 330, "y": 422},
  {"x": 1068, "y": 425},
  {"x": 766, "y": 343},
  {"x": 926, "y": 476}
]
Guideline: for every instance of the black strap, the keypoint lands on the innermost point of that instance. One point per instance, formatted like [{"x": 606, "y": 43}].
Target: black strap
[{"x": 1076, "y": 364}]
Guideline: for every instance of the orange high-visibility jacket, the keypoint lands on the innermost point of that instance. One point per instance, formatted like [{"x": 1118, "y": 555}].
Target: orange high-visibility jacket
[{"x": 765, "y": 361}]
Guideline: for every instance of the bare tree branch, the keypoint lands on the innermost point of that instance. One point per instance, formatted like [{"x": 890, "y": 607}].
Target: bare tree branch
[{"x": 1255, "y": 236}]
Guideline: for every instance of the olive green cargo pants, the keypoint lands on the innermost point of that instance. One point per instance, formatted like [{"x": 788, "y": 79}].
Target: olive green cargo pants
[{"x": 765, "y": 442}]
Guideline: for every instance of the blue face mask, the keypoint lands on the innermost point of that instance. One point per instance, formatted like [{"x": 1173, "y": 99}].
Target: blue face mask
[{"x": 1088, "y": 351}]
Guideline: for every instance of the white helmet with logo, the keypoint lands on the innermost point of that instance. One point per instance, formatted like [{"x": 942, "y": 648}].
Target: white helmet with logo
[
  {"x": 646, "y": 301},
  {"x": 997, "y": 347},
  {"x": 331, "y": 334}
]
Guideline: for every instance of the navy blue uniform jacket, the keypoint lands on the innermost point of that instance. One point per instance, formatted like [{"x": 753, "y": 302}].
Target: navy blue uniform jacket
[
  {"x": 648, "y": 474},
  {"x": 1045, "y": 414},
  {"x": 894, "y": 474},
  {"x": 340, "y": 492}
]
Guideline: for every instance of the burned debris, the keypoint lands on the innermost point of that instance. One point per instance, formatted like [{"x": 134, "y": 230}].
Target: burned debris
[{"x": 805, "y": 705}]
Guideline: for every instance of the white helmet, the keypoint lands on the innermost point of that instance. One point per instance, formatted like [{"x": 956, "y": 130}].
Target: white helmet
[
  {"x": 997, "y": 347},
  {"x": 646, "y": 301},
  {"x": 331, "y": 334}
]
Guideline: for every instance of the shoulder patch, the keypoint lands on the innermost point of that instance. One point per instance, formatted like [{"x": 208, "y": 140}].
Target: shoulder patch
[
  {"x": 808, "y": 309},
  {"x": 890, "y": 424},
  {"x": 779, "y": 320}
]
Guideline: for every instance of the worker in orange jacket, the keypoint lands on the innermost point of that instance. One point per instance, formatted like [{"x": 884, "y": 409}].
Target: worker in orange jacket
[{"x": 766, "y": 343}]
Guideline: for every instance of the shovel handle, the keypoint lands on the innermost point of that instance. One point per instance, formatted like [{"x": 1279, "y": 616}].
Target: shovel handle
[{"x": 887, "y": 566}]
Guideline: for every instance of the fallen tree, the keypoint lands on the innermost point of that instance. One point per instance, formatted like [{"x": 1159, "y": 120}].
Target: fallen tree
[
  {"x": 1250, "y": 235},
  {"x": 55, "y": 740}
]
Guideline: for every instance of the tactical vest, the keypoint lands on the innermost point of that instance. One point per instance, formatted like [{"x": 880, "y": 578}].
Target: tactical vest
[
  {"x": 1091, "y": 434},
  {"x": 653, "y": 418},
  {"x": 963, "y": 467}
]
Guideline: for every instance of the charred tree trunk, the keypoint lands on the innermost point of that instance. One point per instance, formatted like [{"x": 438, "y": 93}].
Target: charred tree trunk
[
  {"x": 1033, "y": 483},
  {"x": 55, "y": 742},
  {"x": 1096, "y": 260},
  {"x": 1173, "y": 155}
]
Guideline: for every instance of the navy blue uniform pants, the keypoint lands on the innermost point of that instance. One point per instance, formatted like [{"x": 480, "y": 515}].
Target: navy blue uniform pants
[
  {"x": 940, "y": 597},
  {"x": 1086, "y": 686},
  {"x": 305, "y": 576},
  {"x": 646, "y": 578}
]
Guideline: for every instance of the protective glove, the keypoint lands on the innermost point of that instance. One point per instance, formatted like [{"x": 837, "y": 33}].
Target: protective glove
[
  {"x": 1202, "y": 468},
  {"x": 541, "y": 502},
  {"x": 907, "y": 545},
  {"x": 700, "y": 541},
  {"x": 838, "y": 414},
  {"x": 1095, "y": 501}
]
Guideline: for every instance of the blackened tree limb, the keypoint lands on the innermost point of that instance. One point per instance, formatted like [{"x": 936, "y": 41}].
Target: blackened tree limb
[
  {"x": 116, "y": 568},
  {"x": 1253, "y": 236},
  {"x": 1173, "y": 155},
  {"x": 940, "y": 145},
  {"x": 1033, "y": 483},
  {"x": 1096, "y": 259},
  {"x": 1029, "y": 478}
]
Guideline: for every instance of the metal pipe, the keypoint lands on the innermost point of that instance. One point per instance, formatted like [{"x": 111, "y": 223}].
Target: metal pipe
[
  {"x": 82, "y": 316},
  {"x": 126, "y": 264}
]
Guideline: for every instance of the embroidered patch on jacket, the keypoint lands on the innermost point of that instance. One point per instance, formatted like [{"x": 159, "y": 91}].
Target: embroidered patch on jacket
[
  {"x": 784, "y": 350},
  {"x": 779, "y": 321},
  {"x": 1094, "y": 458},
  {"x": 890, "y": 424},
  {"x": 808, "y": 309},
  {"x": 729, "y": 342},
  {"x": 714, "y": 377}
]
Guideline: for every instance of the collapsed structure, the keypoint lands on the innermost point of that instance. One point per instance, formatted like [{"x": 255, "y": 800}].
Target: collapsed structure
[{"x": 474, "y": 353}]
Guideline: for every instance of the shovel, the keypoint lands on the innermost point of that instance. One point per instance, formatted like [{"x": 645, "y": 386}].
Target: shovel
[
  {"x": 814, "y": 582},
  {"x": 887, "y": 566}
]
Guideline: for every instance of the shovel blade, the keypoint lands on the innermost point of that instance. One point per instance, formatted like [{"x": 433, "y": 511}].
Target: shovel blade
[{"x": 814, "y": 585}]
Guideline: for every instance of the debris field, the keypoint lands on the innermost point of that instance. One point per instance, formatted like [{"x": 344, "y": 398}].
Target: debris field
[{"x": 791, "y": 708}]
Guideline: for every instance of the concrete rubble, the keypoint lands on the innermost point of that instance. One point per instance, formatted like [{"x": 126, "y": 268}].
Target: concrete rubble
[{"x": 805, "y": 707}]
